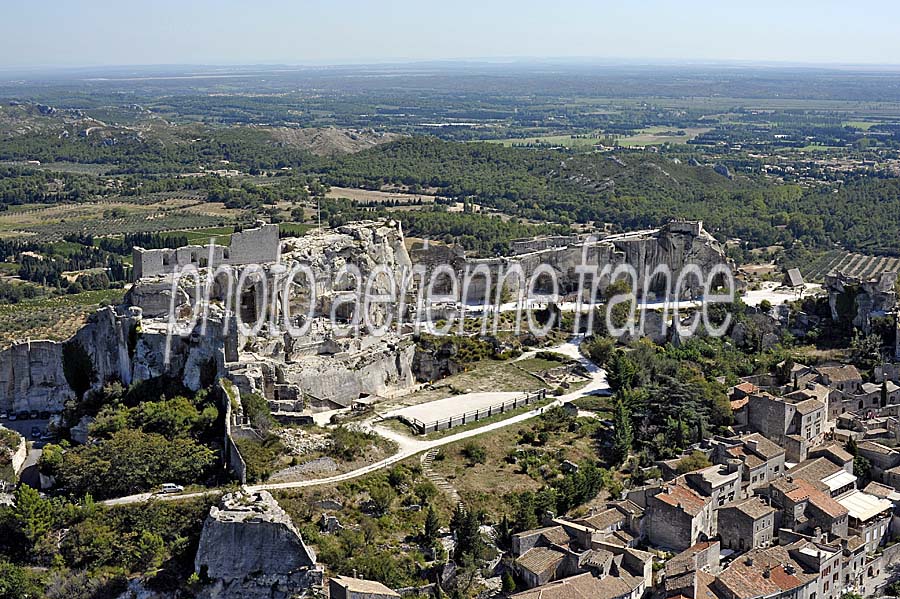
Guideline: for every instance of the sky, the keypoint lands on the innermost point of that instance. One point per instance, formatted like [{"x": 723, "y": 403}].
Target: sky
[{"x": 69, "y": 33}]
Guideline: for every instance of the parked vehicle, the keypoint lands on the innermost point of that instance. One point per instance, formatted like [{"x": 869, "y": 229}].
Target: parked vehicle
[
  {"x": 35, "y": 432},
  {"x": 170, "y": 488},
  {"x": 4, "y": 415}
]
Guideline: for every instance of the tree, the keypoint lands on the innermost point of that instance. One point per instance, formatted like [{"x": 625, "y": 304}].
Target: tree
[
  {"x": 623, "y": 436},
  {"x": 621, "y": 371},
  {"x": 695, "y": 461},
  {"x": 865, "y": 351},
  {"x": 465, "y": 527},
  {"x": 17, "y": 582},
  {"x": 32, "y": 514},
  {"x": 432, "y": 528},
  {"x": 509, "y": 584},
  {"x": 474, "y": 453},
  {"x": 382, "y": 497}
]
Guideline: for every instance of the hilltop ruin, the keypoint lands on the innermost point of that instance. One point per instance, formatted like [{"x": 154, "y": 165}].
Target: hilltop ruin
[{"x": 257, "y": 281}]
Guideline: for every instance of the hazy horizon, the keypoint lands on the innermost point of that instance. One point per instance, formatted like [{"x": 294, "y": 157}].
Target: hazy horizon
[{"x": 351, "y": 32}]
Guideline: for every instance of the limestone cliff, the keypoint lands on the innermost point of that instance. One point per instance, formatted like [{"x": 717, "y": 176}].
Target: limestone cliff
[
  {"x": 250, "y": 549},
  {"x": 858, "y": 301}
]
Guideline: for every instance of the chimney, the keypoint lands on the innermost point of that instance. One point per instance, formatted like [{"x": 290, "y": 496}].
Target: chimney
[
  {"x": 767, "y": 573},
  {"x": 817, "y": 534},
  {"x": 354, "y": 572}
]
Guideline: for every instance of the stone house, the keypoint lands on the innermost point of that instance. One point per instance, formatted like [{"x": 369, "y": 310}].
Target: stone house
[
  {"x": 721, "y": 482},
  {"x": 845, "y": 378},
  {"x": 867, "y": 399},
  {"x": 681, "y": 571},
  {"x": 762, "y": 461},
  {"x": 825, "y": 474},
  {"x": 769, "y": 573},
  {"x": 805, "y": 507},
  {"x": 345, "y": 587},
  {"x": 825, "y": 561},
  {"x": 834, "y": 453},
  {"x": 678, "y": 517},
  {"x": 795, "y": 424},
  {"x": 568, "y": 548},
  {"x": 746, "y": 524},
  {"x": 882, "y": 458}
]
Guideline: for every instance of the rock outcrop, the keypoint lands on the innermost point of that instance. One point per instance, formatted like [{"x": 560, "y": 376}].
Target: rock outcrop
[
  {"x": 859, "y": 301},
  {"x": 250, "y": 549},
  {"x": 32, "y": 376}
]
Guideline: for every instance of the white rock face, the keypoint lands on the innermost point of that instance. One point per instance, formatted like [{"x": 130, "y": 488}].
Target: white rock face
[
  {"x": 31, "y": 377},
  {"x": 250, "y": 549},
  {"x": 31, "y": 373}
]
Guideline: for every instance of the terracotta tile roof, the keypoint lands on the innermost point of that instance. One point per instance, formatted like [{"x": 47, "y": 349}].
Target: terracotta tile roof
[
  {"x": 367, "y": 587},
  {"x": 604, "y": 520},
  {"x": 763, "y": 572},
  {"x": 874, "y": 447},
  {"x": 540, "y": 559},
  {"x": 747, "y": 387},
  {"x": 762, "y": 446},
  {"x": 583, "y": 586},
  {"x": 737, "y": 404},
  {"x": 754, "y": 508},
  {"x": 803, "y": 490},
  {"x": 808, "y": 406},
  {"x": 681, "y": 496},
  {"x": 814, "y": 470},
  {"x": 825, "y": 504},
  {"x": 556, "y": 535},
  {"x": 840, "y": 374},
  {"x": 836, "y": 451},
  {"x": 750, "y": 460}
]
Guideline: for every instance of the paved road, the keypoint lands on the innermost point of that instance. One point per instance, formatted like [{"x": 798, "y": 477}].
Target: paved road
[{"x": 409, "y": 446}]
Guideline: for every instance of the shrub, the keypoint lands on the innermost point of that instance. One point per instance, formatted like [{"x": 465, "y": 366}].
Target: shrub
[{"x": 474, "y": 453}]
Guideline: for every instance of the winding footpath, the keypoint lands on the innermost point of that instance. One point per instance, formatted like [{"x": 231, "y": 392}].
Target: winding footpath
[{"x": 409, "y": 446}]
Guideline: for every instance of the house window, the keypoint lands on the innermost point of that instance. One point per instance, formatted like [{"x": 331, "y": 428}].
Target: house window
[{"x": 165, "y": 259}]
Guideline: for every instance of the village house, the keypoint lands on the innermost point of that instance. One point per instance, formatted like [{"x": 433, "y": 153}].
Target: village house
[
  {"x": 795, "y": 425},
  {"x": 681, "y": 572},
  {"x": 678, "y": 517},
  {"x": 345, "y": 587},
  {"x": 766, "y": 573},
  {"x": 845, "y": 378},
  {"x": 870, "y": 517},
  {"x": 568, "y": 548},
  {"x": 825, "y": 474},
  {"x": 834, "y": 453},
  {"x": 804, "y": 507},
  {"x": 883, "y": 460},
  {"x": 762, "y": 460},
  {"x": 746, "y": 524}
]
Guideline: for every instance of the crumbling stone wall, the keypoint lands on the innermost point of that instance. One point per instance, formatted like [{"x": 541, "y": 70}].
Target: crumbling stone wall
[{"x": 259, "y": 245}]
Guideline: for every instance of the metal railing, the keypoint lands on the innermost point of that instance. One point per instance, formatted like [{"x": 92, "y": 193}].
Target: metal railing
[{"x": 525, "y": 399}]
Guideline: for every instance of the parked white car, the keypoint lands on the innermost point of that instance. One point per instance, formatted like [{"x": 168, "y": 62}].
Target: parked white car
[{"x": 170, "y": 488}]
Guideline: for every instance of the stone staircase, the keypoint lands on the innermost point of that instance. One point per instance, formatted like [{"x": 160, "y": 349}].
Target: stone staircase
[{"x": 436, "y": 479}]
